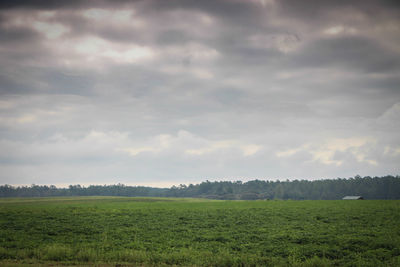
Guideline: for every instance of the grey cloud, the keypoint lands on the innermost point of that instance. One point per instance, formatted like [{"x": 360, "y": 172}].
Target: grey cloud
[
  {"x": 9, "y": 86},
  {"x": 45, "y": 81},
  {"x": 220, "y": 73},
  {"x": 360, "y": 53},
  {"x": 16, "y": 35},
  {"x": 59, "y": 82},
  {"x": 169, "y": 37}
]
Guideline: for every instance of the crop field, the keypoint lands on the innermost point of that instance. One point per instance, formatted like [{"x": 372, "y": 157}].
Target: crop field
[{"x": 118, "y": 231}]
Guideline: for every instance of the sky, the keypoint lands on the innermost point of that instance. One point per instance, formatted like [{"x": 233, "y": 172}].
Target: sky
[{"x": 171, "y": 92}]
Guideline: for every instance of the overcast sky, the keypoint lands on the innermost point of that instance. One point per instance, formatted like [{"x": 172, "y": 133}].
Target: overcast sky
[{"x": 167, "y": 92}]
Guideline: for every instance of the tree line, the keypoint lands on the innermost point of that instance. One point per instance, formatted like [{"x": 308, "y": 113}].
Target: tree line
[{"x": 386, "y": 187}]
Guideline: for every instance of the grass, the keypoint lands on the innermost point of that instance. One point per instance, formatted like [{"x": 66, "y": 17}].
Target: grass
[{"x": 107, "y": 231}]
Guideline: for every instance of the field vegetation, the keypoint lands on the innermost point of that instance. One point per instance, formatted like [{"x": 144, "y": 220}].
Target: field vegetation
[{"x": 110, "y": 231}]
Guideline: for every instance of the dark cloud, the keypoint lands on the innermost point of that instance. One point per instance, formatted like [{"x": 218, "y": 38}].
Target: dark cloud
[
  {"x": 44, "y": 4},
  {"x": 316, "y": 10},
  {"x": 238, "y": 10}
]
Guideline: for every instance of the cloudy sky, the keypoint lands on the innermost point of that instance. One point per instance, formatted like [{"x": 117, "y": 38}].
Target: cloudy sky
[{"x": 179, "y": 91}]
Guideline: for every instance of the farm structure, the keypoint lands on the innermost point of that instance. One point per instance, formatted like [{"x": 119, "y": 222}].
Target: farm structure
[{"x": 353, "y": 198}]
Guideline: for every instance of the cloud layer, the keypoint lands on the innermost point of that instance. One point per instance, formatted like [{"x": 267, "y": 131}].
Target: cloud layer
[{"x": 168, "y": 92}]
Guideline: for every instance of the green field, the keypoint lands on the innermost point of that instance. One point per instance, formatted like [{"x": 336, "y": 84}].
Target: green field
[{"x": 110, "y": 231}]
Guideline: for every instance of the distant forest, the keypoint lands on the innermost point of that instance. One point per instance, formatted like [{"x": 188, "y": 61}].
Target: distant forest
[{"x": 387, "y": 187}]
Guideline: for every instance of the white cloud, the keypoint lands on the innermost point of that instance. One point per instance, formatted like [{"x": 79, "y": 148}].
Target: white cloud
[
  {"x": 392, "y": 151},
  {"x": 263, "y": 3},
  {"x": 190, "y": 144},
  {"x": 29, "y": 118},
  {"x": 136, "y": 151},
  {"x": 199, "y": 73},
  {"x": 154, "y": 145},
  {"x": 249, "y": 150},
  {"x": 202, "y": 73},
  {"x": 38, "y": 21},
  {"x": 104, "y": 14},
  {"x": 206, "y": 19},
  {"x": 95, "y": 53},
  {"x": 285, "y": 43},
  {"x": 325, "y": 152},
  {"x": 211, "y": 147},
  {"x": 50, "y": 30},
  {"x": 120, "y": 17},
  {"x": 289, "y": 152},
  {"x": 47, "y": 14},
  {"x": 93, "y": 49},
  {"x": 391, "y": 114},
  {"x": 193, "y": 50},
  {"x": 339, "y": 29}
]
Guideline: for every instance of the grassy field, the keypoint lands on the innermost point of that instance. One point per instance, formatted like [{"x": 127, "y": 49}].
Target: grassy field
[{"x": 109, "y": 231}]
